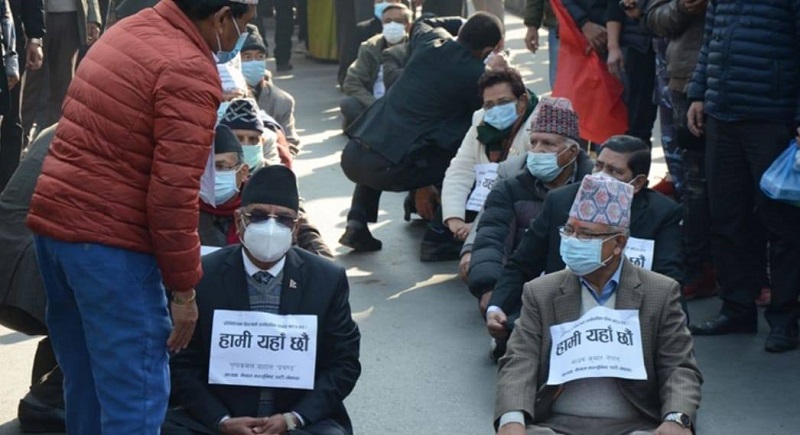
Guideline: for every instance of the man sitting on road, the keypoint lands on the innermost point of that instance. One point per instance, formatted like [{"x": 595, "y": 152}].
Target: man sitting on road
[
  {"x": 265, "y": 275},
  {"x": 554, "y": 159},
  {"x": 217, "y": 226},
  {"x": 405, "y": 140},
  {"x": 655, "y": 230},
  {"x": 364, "y": 82},
  {"x": 601, "y": 347}
]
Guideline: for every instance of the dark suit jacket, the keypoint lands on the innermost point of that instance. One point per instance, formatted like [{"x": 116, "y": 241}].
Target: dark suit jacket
[
  {"x": 432, "y": 103},
  {"x": 673, "y": 378},
  {"x": 653, "y": 217},
  {"x": 321, "y": 290}
]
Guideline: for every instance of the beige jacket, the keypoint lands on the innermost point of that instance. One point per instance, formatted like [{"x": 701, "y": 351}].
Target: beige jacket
[{"x": 673, "y": 378}]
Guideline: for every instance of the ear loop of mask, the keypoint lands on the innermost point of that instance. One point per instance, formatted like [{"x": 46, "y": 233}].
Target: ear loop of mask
[{"x": 236, "y": 25}]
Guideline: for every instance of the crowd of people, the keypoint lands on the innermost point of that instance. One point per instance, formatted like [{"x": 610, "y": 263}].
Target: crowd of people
[{"x": 149, "y": 196}]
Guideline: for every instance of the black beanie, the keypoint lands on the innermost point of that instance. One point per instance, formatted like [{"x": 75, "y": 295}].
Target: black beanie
[
  {"x": 274, "y": 185},
  {"x": 242, "y": 114},
  {"x": 254, "y": 40},
  {"x": 225, "y": 141}
]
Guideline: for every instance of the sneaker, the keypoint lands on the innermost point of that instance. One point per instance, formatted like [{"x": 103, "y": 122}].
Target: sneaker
[
  {"x": 36, "y": 416},
  {"x": 665, "y": 187},
  {"x": 358, "y": 237},
  {"x": 765, "y": 297}
]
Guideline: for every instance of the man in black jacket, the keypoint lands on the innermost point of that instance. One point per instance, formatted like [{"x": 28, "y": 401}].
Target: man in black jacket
[
  {"x": 405, "y": 140},
  {"x": 554, "y": 159},
  {"x": 655, "y": 221},
  {"x": 747, "y": 81},
  {"x": 266, "y": 275}
]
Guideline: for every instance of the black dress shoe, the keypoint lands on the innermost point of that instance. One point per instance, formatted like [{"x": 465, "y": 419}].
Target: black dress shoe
[
  {"x": 36, "y": 416},
  {"x": 283, "y": 67},
  {"x": 725, "y": 325},
  {"x": 782, "y": 339},
  {"x": 358, "y": 237},
  {"x": 438, "y": 244}
]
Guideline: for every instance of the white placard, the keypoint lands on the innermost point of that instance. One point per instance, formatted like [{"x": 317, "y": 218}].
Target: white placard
[
  {"x": 485, "y": 174},
  {"x": 257, "y": 349},
  {"x": 603, "y": 343},
  {"x": 640, "y": 252},
  {"x": 205, "y": 250}
]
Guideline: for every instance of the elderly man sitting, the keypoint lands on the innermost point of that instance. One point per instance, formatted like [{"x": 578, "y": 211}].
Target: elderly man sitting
[
  {"x": 265, "y": 282},
  {"x": 603, "y": 344}
]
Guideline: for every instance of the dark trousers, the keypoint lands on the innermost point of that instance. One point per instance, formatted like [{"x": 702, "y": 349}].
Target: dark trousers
[
  {"x": 11, "y": 132},
  {"x": 444, "y": 8},
  {"x": 351, "y": 109},
  {"x": 639, "y": 80},
  {"x": 179, "y": 422},
  {"x": 47, "y": 380},
  {"x": 345, "y": 11},
  {"x": 373, "y": 174},
  {"x": 61, "y": 44},
  {"x": 737, "y": 155},
  {"x": 284, "y": 29}
]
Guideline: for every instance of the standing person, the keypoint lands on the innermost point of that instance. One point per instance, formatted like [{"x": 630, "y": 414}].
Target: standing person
[
  {"x": 745, "y": 97},
  {"x": 115, "y": 210},
  {"x": 537, "y": 14},
  {"x": 494, "y": 7},
  {"x": 284, "y": 29},
  {"x": 70, "y": 25},
  {"x": 443, "y": 8},
  {"x": 29, "y": 28}
]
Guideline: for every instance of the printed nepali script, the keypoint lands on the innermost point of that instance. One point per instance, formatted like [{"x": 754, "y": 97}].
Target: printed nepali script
[
  {"x": 602, "y": 343},
  {"x": 263, "y": 350}
]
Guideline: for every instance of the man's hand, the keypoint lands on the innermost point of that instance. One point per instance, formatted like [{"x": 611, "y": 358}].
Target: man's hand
[
  {"x": 463, "y": 266},
  {"x": 12, "y": 81},
  {"x": 596, "y": 35},
  {"x": 532, "y": 39},
  {"x": 34, "y": 55},
  {"x": 275, "y": 425},
  {"x": 483, "y": 303},
  {"x": 240, "y": 426},
  {"x": 496, "y": 324},
  {"x": 511, "y": 429},
  {"x": 184, "y": 318},
  {"x": 694, "y": 7},
  {"x": 459, "y": 228},
  {"x": 670, "y": 428},
  {"x": 426, "y": 200},
  {"x": 615, "y": 62},
  {"x": 696, "y": 118},
  {"x": 92, "y": 33}
]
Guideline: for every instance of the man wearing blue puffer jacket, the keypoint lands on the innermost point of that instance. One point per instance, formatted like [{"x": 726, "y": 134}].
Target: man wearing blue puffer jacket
[{"x": 745, "y": 96}]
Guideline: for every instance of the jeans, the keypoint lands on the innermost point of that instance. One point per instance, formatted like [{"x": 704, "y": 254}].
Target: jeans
[
  {"x": 737, "y": 155},
  {"x": 553, "y": 42},
  {"x": 108, "y": 322},
  {"x": 663, "y": 98}
]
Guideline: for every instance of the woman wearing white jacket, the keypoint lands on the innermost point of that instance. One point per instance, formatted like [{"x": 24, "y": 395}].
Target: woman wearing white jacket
[{"x": 498, "y": 131}]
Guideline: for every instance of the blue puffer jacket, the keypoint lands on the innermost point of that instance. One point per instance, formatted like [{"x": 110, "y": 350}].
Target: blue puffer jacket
[{"x": 749, "y": 66}]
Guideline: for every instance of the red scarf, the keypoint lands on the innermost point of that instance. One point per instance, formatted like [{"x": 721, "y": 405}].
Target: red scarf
[{"x": 225, "y": 210}]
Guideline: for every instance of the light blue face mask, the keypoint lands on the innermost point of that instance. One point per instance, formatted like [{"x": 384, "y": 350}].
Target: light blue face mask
[
  {"x": 582, "y": 257},
  {"x": 227, "y": 56},
  {"x": 379, "y": 8},
  {"x": 253, "y": 156},
  {"x": 544, "y": 166},
  {"x": 225, "y": 186},
  {"x": 221, "y": 110},
  {"x": 501, "y": 117},
  {"x": 253, "y": 71}
]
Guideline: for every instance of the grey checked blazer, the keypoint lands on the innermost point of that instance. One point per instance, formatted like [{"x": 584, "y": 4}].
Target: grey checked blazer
[{"x": 673, "y": 378}]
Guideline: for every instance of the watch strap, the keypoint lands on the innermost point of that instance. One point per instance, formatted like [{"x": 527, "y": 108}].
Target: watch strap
[{"x": 291, "y": 423}]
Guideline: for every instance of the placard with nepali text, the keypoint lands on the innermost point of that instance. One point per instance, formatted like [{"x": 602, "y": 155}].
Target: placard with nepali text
[
  {"x": 485, "y": 175},
  {"x": 602, "y": 343},
  {"x": 640, "y": 252},
  {"x": 257, "y": 349}
]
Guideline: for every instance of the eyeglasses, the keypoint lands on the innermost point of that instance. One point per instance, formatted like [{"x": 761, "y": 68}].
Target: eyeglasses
[
  {"x": 254, "y": 218},
  {"x": 568, "y": 231}
]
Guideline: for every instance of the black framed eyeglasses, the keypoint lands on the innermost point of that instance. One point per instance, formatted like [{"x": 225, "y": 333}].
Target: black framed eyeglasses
[{"x": 254, "y": 218}]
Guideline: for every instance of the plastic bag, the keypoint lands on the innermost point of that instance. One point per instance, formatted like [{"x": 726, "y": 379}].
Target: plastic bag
[{"x": 782, "y": 180}]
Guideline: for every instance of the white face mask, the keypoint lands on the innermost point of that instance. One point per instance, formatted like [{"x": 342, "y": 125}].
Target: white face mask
[
  {"x": 267, "y": 241},
  {"x": 394, "y": 33}
]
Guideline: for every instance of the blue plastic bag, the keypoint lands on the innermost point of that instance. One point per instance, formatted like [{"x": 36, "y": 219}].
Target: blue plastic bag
[{"x": 781, "y": 182}]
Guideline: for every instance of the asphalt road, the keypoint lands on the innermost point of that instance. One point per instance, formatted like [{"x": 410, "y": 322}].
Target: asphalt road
[{"x": 424, "y": 347}]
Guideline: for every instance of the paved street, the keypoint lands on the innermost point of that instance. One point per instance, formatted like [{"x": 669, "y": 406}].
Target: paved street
[{"x": 424, "y": 347}]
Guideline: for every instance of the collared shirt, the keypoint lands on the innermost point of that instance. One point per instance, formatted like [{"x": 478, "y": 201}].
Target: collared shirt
[
  {"x": 608, "y": 290},
  {"x": 252, "y": 269}
]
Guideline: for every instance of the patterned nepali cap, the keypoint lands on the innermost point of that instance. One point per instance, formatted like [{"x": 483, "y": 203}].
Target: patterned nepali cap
[
  {"x": 243, "y": 114},
  {"x": 603, "y": 200},
  {"x": 556, "y": 115}
]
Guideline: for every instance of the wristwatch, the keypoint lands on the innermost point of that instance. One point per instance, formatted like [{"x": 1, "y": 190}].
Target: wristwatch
[
  {"x": 679, "y": 418},
  {"x": 291, "y": 424}
]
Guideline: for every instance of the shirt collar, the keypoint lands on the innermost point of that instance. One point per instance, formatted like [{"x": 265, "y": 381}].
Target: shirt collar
[
  {"x": 609, "y": 289},
  {"x": 252, "y": 269}
]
